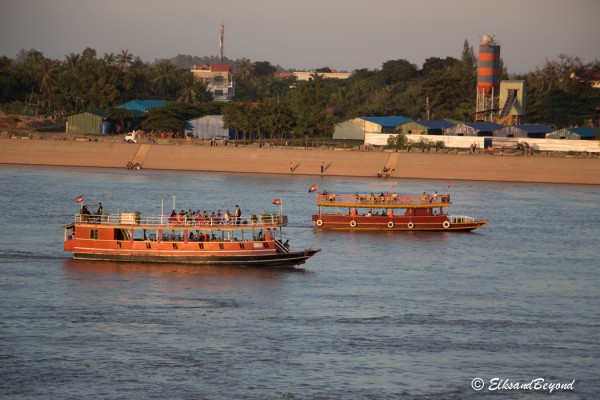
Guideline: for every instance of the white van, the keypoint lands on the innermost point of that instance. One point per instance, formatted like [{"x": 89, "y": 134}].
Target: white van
[{"x": 132, "y": 137}]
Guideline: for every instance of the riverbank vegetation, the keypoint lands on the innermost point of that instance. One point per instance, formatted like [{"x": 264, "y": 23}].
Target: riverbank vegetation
[{"x": 559, "y": 92}]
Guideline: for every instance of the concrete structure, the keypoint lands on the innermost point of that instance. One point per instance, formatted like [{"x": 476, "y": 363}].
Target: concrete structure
[
  {"x": 511, "y": 101},
  {"x": 357, "y": 128},
  {"x": 437, "y": 166},
  {"x": 219, "y": 79}
]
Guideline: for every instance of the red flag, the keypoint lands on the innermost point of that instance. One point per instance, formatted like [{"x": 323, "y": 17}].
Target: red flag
[
  {"x": 277, "y": 201},
  {"x": 79, "y": 199},
  {"x": 313, "y": 188}
]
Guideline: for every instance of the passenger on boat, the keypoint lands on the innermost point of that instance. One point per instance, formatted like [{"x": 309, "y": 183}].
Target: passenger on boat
[
  {"x": 390, "y": 213},
  {"x": 85, "y": 213},
  {"x": 434, "y": 197},
  {"x": 370, "y": 213},
  {"x": 173, "y": 217},
  {"x": 353, "y": 212},
  {"x": 181, "y": 217},
  {"x": 425, "y": 196},
  {"x": 226, "y": 217},
  {"x": 237, "y": 215}
]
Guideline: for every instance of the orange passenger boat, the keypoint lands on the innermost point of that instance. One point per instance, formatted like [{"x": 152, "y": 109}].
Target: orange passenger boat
[
  {"x": 188, "y": 240},
  {"x": 389, "y": 212}
]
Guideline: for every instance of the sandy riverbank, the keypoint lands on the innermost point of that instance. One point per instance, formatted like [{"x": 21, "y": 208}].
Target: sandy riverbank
[{"x": 512, "y": 168}]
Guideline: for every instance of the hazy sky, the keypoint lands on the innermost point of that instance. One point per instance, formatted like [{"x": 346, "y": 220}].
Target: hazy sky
[{"x": 305, "y": 34}]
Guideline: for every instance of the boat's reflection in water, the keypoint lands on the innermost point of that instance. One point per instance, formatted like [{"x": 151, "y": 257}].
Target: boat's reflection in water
[{"x": 174, "y": 279}]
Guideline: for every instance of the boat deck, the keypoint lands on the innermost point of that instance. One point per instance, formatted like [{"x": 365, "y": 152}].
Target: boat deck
[
  {"x": 129, "y": 220},
  {"x": 386, "y": 201}
]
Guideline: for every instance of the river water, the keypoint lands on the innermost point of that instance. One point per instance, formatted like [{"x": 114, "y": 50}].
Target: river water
[{"x": 372, "y": 316}]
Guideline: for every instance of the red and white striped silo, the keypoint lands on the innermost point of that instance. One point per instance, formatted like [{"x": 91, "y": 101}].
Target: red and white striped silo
[{"x": 488, "y": 65}]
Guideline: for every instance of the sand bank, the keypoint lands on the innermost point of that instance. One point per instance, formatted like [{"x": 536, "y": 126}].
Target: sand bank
[{"x": 542, "y": 169}]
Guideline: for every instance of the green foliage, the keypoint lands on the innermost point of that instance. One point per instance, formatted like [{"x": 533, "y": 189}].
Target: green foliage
[
  {"x": 172, "y": 117},
  {"x": 398, "y": 142},
  {"x": 559, "y": 92}
]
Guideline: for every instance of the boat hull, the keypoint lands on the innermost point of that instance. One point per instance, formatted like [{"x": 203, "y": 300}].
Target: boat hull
[
  {"x": 264, "y": 260},
  {"x": 395, "y": 223}
]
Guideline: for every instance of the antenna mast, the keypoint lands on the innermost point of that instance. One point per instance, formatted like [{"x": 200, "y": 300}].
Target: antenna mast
[{"x": 222, "y": 43}]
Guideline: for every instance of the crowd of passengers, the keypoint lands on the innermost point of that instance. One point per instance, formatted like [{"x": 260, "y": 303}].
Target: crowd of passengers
[
  {"x": 192, "y": 217},
  {"x": 202, "y": 237},
  {"x": 387, "y": 198}
]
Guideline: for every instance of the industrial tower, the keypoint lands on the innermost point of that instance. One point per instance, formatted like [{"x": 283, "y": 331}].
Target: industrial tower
[
  {"x": 488, "y": 79},
  {"x": 497, "y": 101}
]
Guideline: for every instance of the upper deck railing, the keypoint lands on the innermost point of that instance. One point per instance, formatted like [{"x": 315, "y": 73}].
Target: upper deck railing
[
  {"x": 382, "y": 201},
  {"x": 178, "y": 222}
]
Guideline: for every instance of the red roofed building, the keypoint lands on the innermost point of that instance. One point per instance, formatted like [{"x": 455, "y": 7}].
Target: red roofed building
[{"x": 219, "y": 78}]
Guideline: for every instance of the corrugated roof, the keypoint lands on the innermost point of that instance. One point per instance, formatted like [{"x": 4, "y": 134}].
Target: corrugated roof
[
  {"x": 387, "y": 121},
  {"x": 585, "y": 131},
  {"x": 142, "y": 105},
  {"x": 436, "y": 124},
  {"x": 484, "y": 126},
  {"x": 221, "y": 67},
  {"x": 535, "y": 128}
]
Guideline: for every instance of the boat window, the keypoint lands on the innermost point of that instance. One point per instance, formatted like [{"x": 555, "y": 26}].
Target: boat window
[
  {"x": 121, "y": 234},
  {"x": 140, "y": 234},
  {"x": 93, "y": 233}
]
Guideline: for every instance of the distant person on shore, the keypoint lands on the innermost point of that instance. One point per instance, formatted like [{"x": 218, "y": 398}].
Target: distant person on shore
[
  {"x": 322, "y": 166},
  {"x": 291, "y": 167}
]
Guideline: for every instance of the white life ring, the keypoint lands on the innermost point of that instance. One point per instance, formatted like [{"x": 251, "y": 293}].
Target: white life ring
[
  {"x": 319, "y": 222},
  {"x": 411, "y": 225},
  {"x": 390, "y": 224},
  {"x": 353, "y": 223},
  {"x": 446, "y": 224}
]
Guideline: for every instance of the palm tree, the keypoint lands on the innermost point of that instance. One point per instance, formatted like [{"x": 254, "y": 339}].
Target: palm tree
[
  {"x": 188, "y": 93},
  {"x": 124, "y": 59},
  {"x": 109, "y": 58},
  {"x": 46, "y": 73},
  {"x": 244, "y": 69},
  {"x": 164, "y": 77}
]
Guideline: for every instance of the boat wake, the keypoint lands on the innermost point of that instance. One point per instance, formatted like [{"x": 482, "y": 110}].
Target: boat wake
[{"x": 6, "y": 256}]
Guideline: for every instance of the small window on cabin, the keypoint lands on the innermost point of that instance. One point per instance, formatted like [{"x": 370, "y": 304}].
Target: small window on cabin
[{"x": 94, "y": 234}]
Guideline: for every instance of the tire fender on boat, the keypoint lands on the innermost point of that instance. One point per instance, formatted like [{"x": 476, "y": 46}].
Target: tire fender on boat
[
  {"x": 390, "y": 224},
  {"x": 411, "y": 225},
  {"x": 319, "y": 222},
  {"x": 353, "y": 223},
  {"x": 446, "y": 224}
]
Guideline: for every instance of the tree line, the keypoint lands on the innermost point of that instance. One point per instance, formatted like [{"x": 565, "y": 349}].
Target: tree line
[{"x": 559, "y": 92}]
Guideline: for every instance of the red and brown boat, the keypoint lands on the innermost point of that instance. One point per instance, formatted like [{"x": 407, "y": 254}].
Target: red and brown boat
[
  {"x": 389, "y": 212},
  {"x": 188, "y": 240}
]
